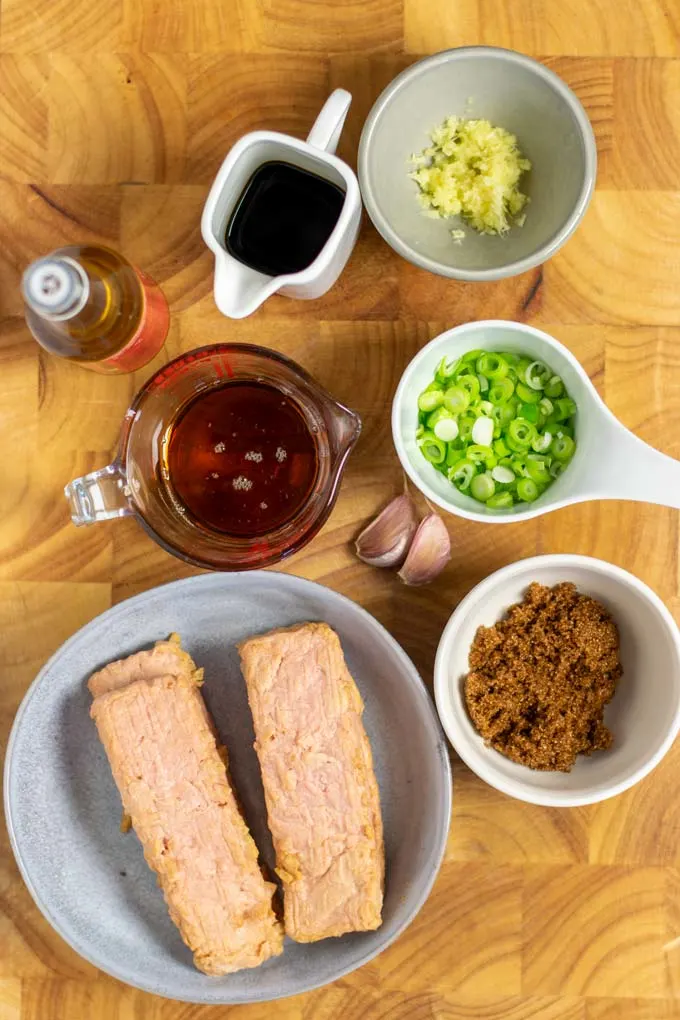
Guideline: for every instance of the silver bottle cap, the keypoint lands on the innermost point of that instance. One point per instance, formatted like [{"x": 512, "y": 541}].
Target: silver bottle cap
[{"x": 55, "y": 287}]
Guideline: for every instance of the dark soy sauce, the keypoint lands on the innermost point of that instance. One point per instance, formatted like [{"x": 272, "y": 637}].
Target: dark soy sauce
[
  {"x": 283, "y": 219},
  {"x": 241, "y": 459}
]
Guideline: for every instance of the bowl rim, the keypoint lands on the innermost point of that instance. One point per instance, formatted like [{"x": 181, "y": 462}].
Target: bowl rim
[
  {"x": 540, "y": 254},
  {"x": 480, "y": 762},
  {"x": 480, "y": 325}
]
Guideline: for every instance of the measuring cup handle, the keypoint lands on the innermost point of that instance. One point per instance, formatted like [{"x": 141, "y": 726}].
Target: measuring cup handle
[
  {"x": 632, "y": 469},
  {"x": 327, "y": 128},
  {"x": 99, "y": 496}
]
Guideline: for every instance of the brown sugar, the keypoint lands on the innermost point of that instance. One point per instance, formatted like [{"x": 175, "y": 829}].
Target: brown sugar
[{"x": 540, "y": 678}]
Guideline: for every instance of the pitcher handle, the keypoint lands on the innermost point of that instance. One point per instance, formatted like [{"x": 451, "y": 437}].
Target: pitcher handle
[
  {"x": 99, "y": 496},
  {"x": 327, "y": 127},
  {"x": 632, "y": 469}
]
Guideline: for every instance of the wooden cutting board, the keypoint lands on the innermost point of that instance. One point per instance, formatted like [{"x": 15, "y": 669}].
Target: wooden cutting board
[{"x": 114, "y": 117}]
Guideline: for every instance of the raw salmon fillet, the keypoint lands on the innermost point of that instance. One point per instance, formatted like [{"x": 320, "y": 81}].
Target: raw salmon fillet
[
  {"x": 317, "y": 770},
  {"x": 161, "y": 745}
]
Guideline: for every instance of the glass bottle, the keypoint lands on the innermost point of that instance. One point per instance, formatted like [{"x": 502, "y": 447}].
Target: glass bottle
[{"x": 90, "y": 305}]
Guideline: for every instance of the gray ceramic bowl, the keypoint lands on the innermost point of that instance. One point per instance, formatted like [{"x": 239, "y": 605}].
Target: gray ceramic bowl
[
  {"x": 63, "y": 809},
  {"x": 513, "y": 92}
]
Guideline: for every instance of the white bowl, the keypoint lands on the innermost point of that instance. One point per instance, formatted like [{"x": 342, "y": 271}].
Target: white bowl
[
  {"x": 512, "y": 91},
  {"x": 630, "y": 469},
  {"x": 643, "y": 715}
]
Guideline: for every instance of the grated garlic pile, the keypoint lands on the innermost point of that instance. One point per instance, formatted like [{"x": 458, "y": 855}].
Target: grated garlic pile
[{"x": 472, "y": 169}]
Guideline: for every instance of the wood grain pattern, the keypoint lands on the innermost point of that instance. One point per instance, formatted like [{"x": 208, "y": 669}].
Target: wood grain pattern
[{"x": 114, "y": 118}]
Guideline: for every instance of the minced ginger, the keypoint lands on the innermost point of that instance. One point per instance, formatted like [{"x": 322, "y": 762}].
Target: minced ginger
[{"x": 472, "y": 169}]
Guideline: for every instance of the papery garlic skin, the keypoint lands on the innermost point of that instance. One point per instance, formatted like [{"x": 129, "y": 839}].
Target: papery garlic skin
[
  {"x": 429, "y": 553},
  {"x": 387, "y": 539}
]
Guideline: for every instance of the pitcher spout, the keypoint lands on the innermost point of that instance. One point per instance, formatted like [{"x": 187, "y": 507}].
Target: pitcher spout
[
  {"x": 239, "y": 290},
  {"x": 344, "y": 428}
]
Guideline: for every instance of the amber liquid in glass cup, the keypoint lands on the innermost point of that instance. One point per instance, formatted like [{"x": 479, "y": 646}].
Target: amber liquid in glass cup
[{"x": 230, "y": 456}]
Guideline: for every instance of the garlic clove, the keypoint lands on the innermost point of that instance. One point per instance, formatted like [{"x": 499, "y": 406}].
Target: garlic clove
[
  {"x": 386, "y": 540},
  {"x": 429, "y": 553}
]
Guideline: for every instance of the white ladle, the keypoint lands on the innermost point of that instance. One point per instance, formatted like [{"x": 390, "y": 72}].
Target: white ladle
[{"x": 610, "y": 461}]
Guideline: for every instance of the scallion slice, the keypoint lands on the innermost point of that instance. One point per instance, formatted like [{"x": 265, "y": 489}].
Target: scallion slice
[
  {"x": 482, "y": 487},
  {"x": 456, "y": 399},
  {"x": 429, "y": 400},
  {"x": 500, "y": 426},
  {"x": 493, "y": 366},
  {"x": 562, "y": 447},
  {"x": 501, "y": 390},
  {"x": 432, "y": 449},
  {"x": 446, "y": 429},
  {"x": 554, "y": 387},
  {"x": 527, "y": 490},
  {"x": 500, "y": 501},
  {"x": 462, "y": 474},
  {"x": 537, "y": 375}
]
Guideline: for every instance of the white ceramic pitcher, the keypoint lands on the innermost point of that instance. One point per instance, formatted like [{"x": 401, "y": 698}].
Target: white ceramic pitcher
[{"x": 239, "y": 290}]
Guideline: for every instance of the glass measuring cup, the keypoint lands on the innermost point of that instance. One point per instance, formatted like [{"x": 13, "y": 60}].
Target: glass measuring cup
[{"x": 136, "y": 483}]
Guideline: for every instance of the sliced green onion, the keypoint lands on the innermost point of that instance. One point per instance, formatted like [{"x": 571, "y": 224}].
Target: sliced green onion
[
  {"x": 537, "y": 375},
  {"x": 538, "y": 472},
  {"x": 527, "y": 490},
  {"x": 501, "y": 391},
  {"x": 564, "y": 408},
  {"x": 432, "y": 449},
  {"x": 503, "y": 414},
  {"x": 562, "y": 447},
  {"x": 554, "y": 387},
  {"x": 464, "y": 371},
  {"x": 469, "y": 383},
  {"x": 446, "y": 369},
  {"x": 465, "y": 424},
  {"x": 479, "y": 454},
  {"x": 520, "y": 434},
  {"x": 529, "y": 412},
  {"x": 526, "y": 394},
  {"x": 484, "y": 407},
  {"x": 434, "y": 417},
  {"x": 500, "y": 501},
  {"x": 499, "y": 426},
  {"x": 493, "y": 366},
  {"x": 456, "y": 399},
  {"x": 453, "y": 455},
  {"x": 430, "y": 399},
  {"x": 482, "y": 431},
  {"x": 519, "y": 466},
  {"x": 482, "y": 487},
  {"x": 446, "y": 429},
  {"x": 542, "y": 442},
  {"x": 503, "y": 475},
  {"x": 462, "y": 474}
]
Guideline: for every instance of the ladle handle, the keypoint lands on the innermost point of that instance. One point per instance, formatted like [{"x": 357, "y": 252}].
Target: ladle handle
[
  {"x": 632, "y": 469},
  {"x": 327, "y": 127}
]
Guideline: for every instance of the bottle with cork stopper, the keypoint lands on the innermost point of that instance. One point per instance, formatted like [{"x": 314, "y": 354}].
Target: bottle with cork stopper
[{"x": 88, "y": 304}]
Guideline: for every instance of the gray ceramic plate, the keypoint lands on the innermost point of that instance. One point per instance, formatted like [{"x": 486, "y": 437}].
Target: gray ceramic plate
[{"x": 63, "y": 810}]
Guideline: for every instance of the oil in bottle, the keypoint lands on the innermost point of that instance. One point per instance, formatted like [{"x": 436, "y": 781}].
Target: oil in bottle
[{"x": 90, "y": 305}]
